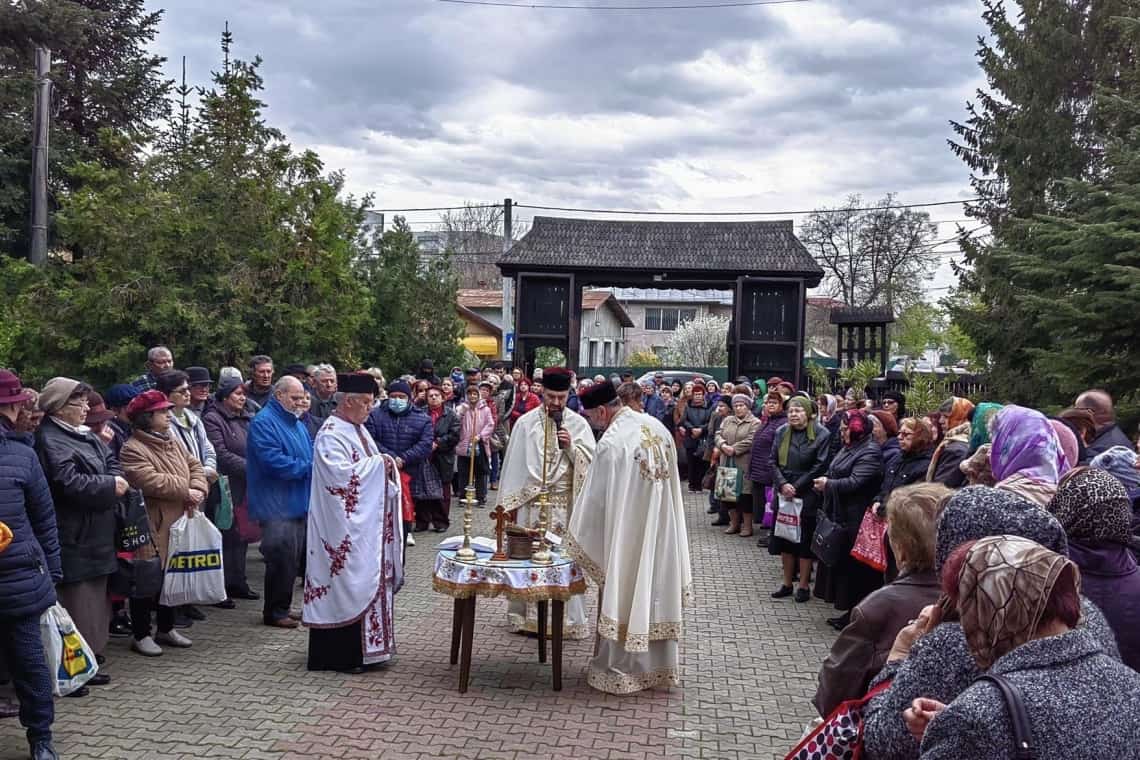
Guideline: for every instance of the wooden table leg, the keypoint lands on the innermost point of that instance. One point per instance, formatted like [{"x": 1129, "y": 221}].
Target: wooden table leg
[
  {"x": 542, "y": 631},
  {"x": 456, "y": 630},
  {"x": 465, "y": 650},
  {"x": 558, "y": 611}
]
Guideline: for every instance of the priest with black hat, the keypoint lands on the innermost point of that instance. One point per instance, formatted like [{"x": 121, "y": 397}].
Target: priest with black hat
[
  {"x": 354, "y": 559},
  {"x": 552, "y": 445},
  {"x": 627, "y": 533}
]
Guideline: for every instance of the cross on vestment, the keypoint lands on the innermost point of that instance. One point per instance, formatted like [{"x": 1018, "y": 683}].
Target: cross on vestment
[{"x": 501, "y": 516}]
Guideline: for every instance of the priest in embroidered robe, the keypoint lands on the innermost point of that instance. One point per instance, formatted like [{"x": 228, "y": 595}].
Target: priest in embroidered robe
[
  {"x": 556, "y": 439},
  {"x": 627, "y": 533},
  {"x": 355, "y": 541}
]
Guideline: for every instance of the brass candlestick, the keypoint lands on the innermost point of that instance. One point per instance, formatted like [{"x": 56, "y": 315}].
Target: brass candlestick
[
  {"x": 466, "y": 553},
  {"x": 541, "y": 554}
]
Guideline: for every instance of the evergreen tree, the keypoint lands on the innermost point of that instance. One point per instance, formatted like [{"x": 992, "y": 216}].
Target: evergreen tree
[
  {"x": 1037, "y": 123},
  {"x": 106, "y": 81}
]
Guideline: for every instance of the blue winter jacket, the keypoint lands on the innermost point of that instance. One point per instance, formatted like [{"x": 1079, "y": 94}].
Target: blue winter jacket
[
  {"x": 408, "y": 435},
  {"x": 655, "y": 407},
  {"x": 30, "y": 566},
  {"x": 278, "y": 465}
]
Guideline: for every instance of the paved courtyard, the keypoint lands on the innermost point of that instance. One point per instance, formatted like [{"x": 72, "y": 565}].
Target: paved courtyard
[{"x": 242, "y": 691}]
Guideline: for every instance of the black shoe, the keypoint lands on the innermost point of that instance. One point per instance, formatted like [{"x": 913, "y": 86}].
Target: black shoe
[
  {"x": 100, "y": 659},
  {"x": 782, "y": 592},
  {"x": 355, "y": 671},
  {"x": 8, "y": 708},
  {"x": 121, "y": 627},
  {"x": 80, "y": 692},
  {"x": 226, "y": 604},
  {"x": 43, "y": 751},
  {"x": 719, "y": 521},
  {"x": 802, "y": 595},
  {"x": 99, "y": 679},
  {"x": 763, "y": 539},
  {"x": 193, "y": 612},
  {"x": 181, "y": 621},
  {"x": 438, "y": 529},
  {"x": 713, "y": 510},
  {"x": 243, "y": 593},
  {"x": 420, "y": 529},
  {"x": 839, "y": 623}
]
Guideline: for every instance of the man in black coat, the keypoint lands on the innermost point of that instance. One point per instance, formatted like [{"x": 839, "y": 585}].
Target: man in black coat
[
  {"x": 29, "y": 567},
  {"x": 1108, "y": 433}
]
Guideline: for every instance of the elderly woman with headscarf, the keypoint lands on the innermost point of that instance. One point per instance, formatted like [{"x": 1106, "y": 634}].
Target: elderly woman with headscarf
[
  {"x": 976, "y": 466},
  {"x": 86, "y": 484},
  {"x": 1019, "y": 605},
  {"x": 885, "y": 429},
  {"x": 930, "y": 657},
  {"x": 916, "y": 440},
  {"x": 954, "y": 446},
  {"x": 760, "y": 470},
  {"x": 861, "y": 650},
  {"x": 849, "y": 488},
  {"x": 1121, "y": 463},
  {"x": 1026, "y": 456},
  {"x": 1094, "y": 509},
  {"x": 734, "y": 440},
  {"x": 1083, "y": 424}
]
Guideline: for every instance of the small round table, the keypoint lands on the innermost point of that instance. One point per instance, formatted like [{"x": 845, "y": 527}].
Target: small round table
[{"x": 515, "y": 579}]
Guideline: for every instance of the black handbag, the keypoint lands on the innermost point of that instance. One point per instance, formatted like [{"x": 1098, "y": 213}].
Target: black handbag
[
  {"x": 830, "y": 543},
  {"x": 132, "y": 526},
  {"x": 137, "y": 578},
  {"x": 1022, "y": 729}
]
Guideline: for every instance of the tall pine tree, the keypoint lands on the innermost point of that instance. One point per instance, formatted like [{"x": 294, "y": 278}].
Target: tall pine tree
[{"x": 1036, "y": 124}]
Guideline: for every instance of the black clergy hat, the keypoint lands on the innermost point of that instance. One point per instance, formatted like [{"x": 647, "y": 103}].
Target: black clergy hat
[
  {"x": 598, "y": 394},
  {"x": 357, "y": 382},
  {"x": 556, "y": 379}
]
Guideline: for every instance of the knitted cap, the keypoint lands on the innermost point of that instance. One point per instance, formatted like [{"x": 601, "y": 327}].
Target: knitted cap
[{"x": 978, "y": 511}]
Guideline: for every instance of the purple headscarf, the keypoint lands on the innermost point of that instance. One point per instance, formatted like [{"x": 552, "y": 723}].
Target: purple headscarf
[{"x": 1024, "y": 443}]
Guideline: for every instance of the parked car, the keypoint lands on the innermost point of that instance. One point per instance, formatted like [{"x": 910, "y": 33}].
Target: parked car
[{"x": 676, "y": 374}]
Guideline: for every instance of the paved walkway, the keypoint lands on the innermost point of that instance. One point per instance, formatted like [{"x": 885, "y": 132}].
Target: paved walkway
[{"x": 242, "y": 691}]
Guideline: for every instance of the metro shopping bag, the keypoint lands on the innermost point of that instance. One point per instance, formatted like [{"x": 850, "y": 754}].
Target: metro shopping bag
[
  {"x": 194, "y": 572},
  {"x": 788, "y": 520},
  {"x": 870, "y": 548},
  {"x": 224, "y": 514},
  {"x": 69, "y": 658},
  {"x": 729, "y": 482},
  {"x": 840, "y": 735}
]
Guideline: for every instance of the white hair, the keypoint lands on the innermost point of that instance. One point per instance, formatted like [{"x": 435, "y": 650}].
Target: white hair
[
  {"x": 152, "y": 354},
  {"x": 323, "y": 369}
]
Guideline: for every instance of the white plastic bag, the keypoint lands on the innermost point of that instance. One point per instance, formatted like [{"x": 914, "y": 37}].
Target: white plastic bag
[
  {"x": 69, "y": 658},
  {"x": 193, "y": 573},
  {"x": 788, "y": 519}
]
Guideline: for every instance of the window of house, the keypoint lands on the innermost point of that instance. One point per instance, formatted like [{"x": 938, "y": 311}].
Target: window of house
[
  {"x": 667, "y": 318},
  {"x": 593, "y": 358}
]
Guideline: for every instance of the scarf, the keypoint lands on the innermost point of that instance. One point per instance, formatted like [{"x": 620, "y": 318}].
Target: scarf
[
  {"x": 858, "y": 425},
  {"x": 1120, "y": 462},
  {"x": 1068, "y": 441},
  {"x": 1092, "y": 505},
  {"x": 786, "y": 439},
  {"x": 980, "y": 430},
  {"x": 1003, "y": 588},
  {"x": 959, "y": 412},
  {"x": 1024, "y": 443}
]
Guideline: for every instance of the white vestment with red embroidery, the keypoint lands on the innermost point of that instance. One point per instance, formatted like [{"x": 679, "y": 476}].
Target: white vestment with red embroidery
[{"x": 355, "y": 542}]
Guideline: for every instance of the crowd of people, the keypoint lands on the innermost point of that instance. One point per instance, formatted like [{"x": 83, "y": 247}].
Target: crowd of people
[{"x": 1007, "y": 537}]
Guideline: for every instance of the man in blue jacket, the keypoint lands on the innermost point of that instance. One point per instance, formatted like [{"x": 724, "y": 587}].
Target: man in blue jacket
[
  {"x": 279, "y": 463},
  {"x": 405, "y": 433},
  {"x": 29, "y": 567}
]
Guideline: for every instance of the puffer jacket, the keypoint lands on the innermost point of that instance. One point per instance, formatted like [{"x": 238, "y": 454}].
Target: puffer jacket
[
  {"x": 696, "y": 418},
  {"x": 30, "y": 566},
  {"x": 278, "y": 465},
  {"x": 760, "y": 468},
  {"x": 160, "y": 468},
  {"x": 81, "y": 472},
  {"x": 408, "y": 435}
]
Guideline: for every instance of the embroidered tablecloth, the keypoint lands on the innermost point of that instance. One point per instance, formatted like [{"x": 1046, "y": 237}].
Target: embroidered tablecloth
[{"x": 515, "y": 578}]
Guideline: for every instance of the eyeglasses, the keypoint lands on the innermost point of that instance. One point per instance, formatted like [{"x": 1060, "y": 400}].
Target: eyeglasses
[
  {"x": 79, "y": 403},
  {"x": 183, "y": 389}
]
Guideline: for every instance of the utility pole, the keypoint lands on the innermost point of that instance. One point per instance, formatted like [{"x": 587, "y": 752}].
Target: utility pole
[
  {"x": 37, "y": 251},
  {"x": 508, "y": 289}
]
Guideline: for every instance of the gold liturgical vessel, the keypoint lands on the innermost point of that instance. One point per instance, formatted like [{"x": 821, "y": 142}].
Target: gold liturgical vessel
[
  {"x": 541, "y": 552},
  {"x": 465, "y": 553}
]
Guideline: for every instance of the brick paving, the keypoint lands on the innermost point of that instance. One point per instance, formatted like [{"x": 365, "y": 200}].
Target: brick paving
[{"x": 242, "y": 691}]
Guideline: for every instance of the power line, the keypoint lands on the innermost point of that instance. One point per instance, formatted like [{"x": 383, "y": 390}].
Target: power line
[
  {"x": 668, "y": 7},
  {"x": 433, "y": 208},
  {"x": 744, "y": 213}
]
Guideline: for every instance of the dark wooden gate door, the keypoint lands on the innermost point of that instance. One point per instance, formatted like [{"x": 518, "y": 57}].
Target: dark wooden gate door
[
  {"x": 768, "y": 327},
  {"x": 547, "y": 309}
]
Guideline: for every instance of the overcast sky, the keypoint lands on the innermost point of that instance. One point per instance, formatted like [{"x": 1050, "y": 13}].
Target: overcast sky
[{"x": 424, "y": 103}]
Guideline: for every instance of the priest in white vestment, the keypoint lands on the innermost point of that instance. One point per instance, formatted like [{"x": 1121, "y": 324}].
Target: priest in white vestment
[
  {"x": 627, "y": 532},
  {"x": 569, "y": 448},
  {"x": 355, "y": 541}
]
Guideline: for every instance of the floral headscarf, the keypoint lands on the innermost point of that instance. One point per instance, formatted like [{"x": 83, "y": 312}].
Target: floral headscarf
[
  {"x": 1003, "y": 588},
  {"x": 980, "y": 427},
  {"x": 1068, "y": 440},
  {"x": 858, "y": 425},
  {"x": 1092, "y": 505},
  {"x": 1120, "y": 462},
  {"x": 1024, "y": 443}
]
